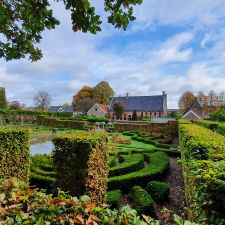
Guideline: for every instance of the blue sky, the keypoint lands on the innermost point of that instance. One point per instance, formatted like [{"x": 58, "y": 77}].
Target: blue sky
[{"x": 174, "y": 45}]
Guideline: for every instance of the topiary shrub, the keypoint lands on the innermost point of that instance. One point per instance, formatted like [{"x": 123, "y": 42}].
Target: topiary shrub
[
  {"x": 114, "y": 199},
  {"x": 14, "y": 153},
  {"x": 81, "y": 163},
  {"x": 158, "y": 190},
  {"x": 142, "y": 201}
]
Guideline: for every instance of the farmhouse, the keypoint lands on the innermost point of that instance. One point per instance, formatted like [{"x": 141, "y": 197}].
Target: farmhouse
[
  {"x": 98, "y": 110},
  {"x": 154, "y": 106}
]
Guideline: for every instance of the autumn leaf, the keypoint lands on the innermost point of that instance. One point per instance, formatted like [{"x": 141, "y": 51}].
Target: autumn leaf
[
  {"x": 78, "y": 220},
  {"x": 124, "y": 222}
]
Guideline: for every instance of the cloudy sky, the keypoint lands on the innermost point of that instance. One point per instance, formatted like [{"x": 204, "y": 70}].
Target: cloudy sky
[{"x": 174, "y": 45}]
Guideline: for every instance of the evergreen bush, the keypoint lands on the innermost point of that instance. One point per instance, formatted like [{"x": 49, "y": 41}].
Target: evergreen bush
[{"x": 114, "y": 199}]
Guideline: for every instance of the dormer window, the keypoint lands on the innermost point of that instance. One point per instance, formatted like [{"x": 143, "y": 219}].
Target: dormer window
[{"x": 96, "y": 109}]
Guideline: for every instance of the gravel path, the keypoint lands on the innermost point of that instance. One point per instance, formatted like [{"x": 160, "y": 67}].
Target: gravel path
[{"x": 176, "y": 202}]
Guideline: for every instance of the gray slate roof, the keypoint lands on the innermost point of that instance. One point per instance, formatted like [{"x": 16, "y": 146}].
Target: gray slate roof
[
  {"x": 65, "y": 108},
  {"x": 140, "y": 103}
]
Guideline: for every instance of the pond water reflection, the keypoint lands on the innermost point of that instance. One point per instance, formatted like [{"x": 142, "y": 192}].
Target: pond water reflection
[{"x": 41, "y": 148}]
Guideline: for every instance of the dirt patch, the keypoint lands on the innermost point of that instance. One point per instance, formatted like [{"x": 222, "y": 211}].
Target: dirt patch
[{"x": 176, "y": 203}]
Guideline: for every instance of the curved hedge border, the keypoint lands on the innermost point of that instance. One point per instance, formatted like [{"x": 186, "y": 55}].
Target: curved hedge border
[
  {"x": 129, "y": 163},
  {"x": 203, "y": 158},
  {"x": 159, "y": 164}
]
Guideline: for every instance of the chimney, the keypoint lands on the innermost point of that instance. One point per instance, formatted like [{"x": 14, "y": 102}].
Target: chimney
[
  {"x": 164, "y": 93},
  {"x": 127, "y": 94}
]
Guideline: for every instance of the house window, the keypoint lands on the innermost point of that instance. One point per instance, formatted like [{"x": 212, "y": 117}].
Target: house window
[
  {"x": 141, "y": 114},
  {"x": 125, "y": 116},
  {"x": 155, "y": 114},
  {"x": 146, "y": 113},
  {"x": 159, "y": 114},
  {"x": 129, "y": 117},
  {"x": 96, "y": 109}
]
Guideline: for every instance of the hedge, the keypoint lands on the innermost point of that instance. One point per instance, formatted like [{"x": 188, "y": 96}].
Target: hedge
[
  {"x": 81, "y": 163},
  {"x": 203, "y": 158},
  {"x": 30, "y": 206},
  {"x": 14, "y": 153},
  {"x": 55, "y": 122},
  {"x": 158, "y": 190},
  {"x": 114, "y": 199},
  {"x": 128, "y": 164},
  {"x": 142, "y": 201},
  {"x": 159, "y": 164},
  {"x": 212, "y": 125}
]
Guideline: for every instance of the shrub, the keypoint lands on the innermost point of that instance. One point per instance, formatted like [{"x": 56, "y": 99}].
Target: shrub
[
  {"x": 142, "y": 201},
  {"x": 158, "y": 190},
  {"x": 42, "y": 181},
  {"x": 159, "y": 164},
  {"x": 112, "y": 160},
  {"x": 159, "y": 145},
  {"x": 114, "y": 199},
  {"x": 124, "y": 151},
  {"x": 203, "y": 161},
  {"x": 129, "y": 163},
  {"x": 30, "y": 206},
  {"x": 81, "y": 163},
  {"x": 128, "y": 133},
  {"x": 14, "y": 153}
]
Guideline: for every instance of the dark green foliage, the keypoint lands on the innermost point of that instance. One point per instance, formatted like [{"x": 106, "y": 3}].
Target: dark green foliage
[
  {"x": 128, "y": 164},
  {"x": 158, "y": 190},
  {"x": 81, "y": 163},
  {"x": 42, "y": 172},
  {"x": 159, "y": 164},
  {"x": 142, "y": 201},
  {"x": 170, "y": 152},
  {"x": 219, "y": 115},
  {"x": 3, "y": 101},
  {"x": 114, "y": 199},
  {"x": 112, "y": 160},
  {"x": 134, "y": 116},
  {"x": 124, "y": 151},
  {"x": 118, "y": 109},
  {"x": 159, "y": 145},
  {"x": 14, "y": 153},
  {"x": 128, "y": 133}
]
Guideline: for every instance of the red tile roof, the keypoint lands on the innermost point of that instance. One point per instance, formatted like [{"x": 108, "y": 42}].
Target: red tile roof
[{"x": 104, "y": 108}]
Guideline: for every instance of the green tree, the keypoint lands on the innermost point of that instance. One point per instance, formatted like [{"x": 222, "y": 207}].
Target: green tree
[
  {"x": 85, "y": 92},
  {"x": 3, "y": 101},
  {"x": 118, "y": 109},
  {"x": 103, "y": 93},
  {"x": 23, "y": 21},
  {"x": 134, "y": 116}
]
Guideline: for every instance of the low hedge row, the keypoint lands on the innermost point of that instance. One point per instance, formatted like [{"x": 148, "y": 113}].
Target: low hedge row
[
  {"x": 128, "y": 164},
  {"x": 42, "y": 181},
  {"x": 159, "y": 164},
  {"x": 203, "y": 158},
  {"x": 142, "y": 201},
  {"x": 114, "y": 199},
  {"x": 55, "y": 122},
  {"x": 14, "y": 153},
  {"x": 212, "y": 125},
  {"x": 159, "y": 191}
]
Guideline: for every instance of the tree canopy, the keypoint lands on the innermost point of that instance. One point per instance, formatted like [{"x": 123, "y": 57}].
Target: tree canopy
[
  {"x": 118, "y": 109},
  {"x": 23, "y": 21},
  {"x": 3, "y": 101},
  {"x": 42, "y": 100},
  {"x": 186, "y": 100}
]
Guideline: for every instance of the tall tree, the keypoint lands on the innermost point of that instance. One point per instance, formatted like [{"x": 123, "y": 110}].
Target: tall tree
[
  {"x": 3, "y": 101},
  {"x": 134, "y": 116},
  {"x": 85, "y": 104},
  {"x": 118, "y": 109},
  {"x": 203, "y": 100},
  {"x": 212, "y": 101},
  {"x": 222, "y": 98},
  {"x": 186, "y": 100},
  {"x": 23, "y": 21},
  {"x": 102, "y": 92},
  {"x": 42, "y": 100},
  {"x": 83, "y": 93}
]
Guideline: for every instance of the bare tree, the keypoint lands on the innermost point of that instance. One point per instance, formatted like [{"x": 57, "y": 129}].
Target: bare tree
[{"x": 42, "y": 100}]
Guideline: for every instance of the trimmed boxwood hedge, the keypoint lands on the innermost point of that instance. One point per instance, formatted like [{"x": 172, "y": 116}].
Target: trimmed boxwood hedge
[
  {"x": 81, "y": 163},
  {"x": 114, "y": 199},
  {"x": 159, "y": 164},
  {"x": 203, "y": 158},
  {"x": 14, "y": 153},
  {"x": 128, "y": 164},
  {"x": 158, "y": 190},
  {"x": 142, "y": 201}
]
